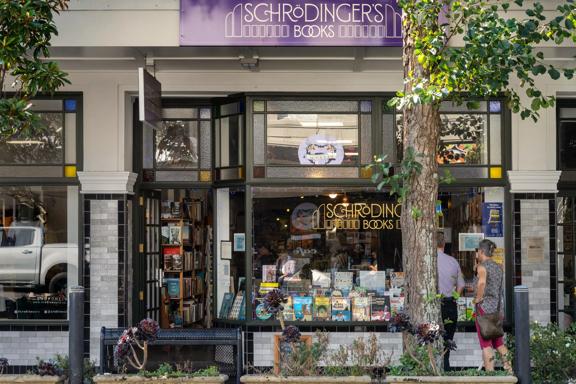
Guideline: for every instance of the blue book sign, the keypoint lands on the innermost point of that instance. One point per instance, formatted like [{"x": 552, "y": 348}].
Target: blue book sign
[{"x": 492, "y": 219}]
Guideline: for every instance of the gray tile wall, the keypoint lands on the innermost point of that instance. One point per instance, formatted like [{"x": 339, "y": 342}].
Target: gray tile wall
[
  {"x": 535, "y": 262},
  {"x": 22, "y": 347},
  {"x": 468, "y": 353},
  {"x": 103, "y": 259}
]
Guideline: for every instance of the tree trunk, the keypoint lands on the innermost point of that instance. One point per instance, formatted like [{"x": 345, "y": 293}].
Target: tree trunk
[{"x": 421, "y": 123}]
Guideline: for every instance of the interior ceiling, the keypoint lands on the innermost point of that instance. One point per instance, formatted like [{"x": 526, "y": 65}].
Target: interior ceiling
[{"x": 357, "y": 59}]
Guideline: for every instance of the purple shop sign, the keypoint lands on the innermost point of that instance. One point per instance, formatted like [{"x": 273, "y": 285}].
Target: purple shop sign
[{"x": 290, "y": 23}]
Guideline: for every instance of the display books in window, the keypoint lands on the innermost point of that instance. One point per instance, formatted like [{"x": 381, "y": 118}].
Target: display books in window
[
  {"x": 465, "y": 308},
  {"x": 397, "y": 279},
  {"x": 227, "y": 301},
  {"x": 343, "y": 280},
  {"x": 322, "y": 308},
  {"x": 269, "y": 273},
  {"x": 302, "y": 308},
  {"x": 340, "y": 309},
  {"x": 396, "y": 305},
  {"x": 380, "y": 308},
  {"x": 373, "y": 281},
  {"x": 361, "y": 309},
  {"x": 236, "y": 306},
  {"x": 165, "y": 210},
  {"x": 174, "y": 234},
  {"x": 172, "y": 258},
  {"x": 173, "y": 287},
  {"x": 288, "y": 312}
]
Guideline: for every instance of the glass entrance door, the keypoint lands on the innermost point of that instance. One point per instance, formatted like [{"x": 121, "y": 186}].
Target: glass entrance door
[{"x": 150, "y": 253}]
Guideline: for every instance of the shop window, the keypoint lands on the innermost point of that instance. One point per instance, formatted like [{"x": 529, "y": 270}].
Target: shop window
[
  {"x": 180, "y": 148},
  {"x": 50, "y": 149},
  {"x": 305, "y": 138},
  {"x": 470, "y": 138},
  {"x": 38, "y": 251},
  {"x": 337, "y": 253},
  {"x": 567, "y": 134},
  {"x": 229, "y": 140}
]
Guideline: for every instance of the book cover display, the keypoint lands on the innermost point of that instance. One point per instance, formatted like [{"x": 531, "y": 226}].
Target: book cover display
[
  {"x": 288, "y": 312},
  {"x": 341, "y": 309},
  {"x": 322, "y": 308},
  {"x": 269, "y": 273},
  {"x": 380, "y": 308},
  {"x": 396, "y": 305},
  {"x": 343, "y": 280},
  {"x": 226, "y": 305},
  {"x": 361, "y": 309},
  {"x": 236, "y": 306},
  {"x": 302, "y": 308}
]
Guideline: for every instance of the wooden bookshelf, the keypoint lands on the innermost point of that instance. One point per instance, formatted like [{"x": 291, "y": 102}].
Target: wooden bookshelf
[{"x": 183, "y": 236}]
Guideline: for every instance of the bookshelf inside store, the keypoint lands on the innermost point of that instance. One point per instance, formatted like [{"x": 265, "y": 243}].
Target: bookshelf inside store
[{"x": 186, "y": 237}]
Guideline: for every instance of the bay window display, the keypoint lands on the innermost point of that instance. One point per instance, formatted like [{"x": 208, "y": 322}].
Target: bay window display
[
  {"x": 337, "y": 253},
  {"x": 38, "y": 251}
]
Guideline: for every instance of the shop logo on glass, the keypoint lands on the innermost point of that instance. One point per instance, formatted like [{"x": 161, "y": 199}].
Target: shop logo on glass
[{"x": 321, "y": 150}]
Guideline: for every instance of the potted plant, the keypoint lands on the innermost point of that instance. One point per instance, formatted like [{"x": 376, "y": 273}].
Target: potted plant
[
  {"x": 310, "y": 362},
  {"x": 419, "y": 363},
  {"x": 131, "y": 350}
]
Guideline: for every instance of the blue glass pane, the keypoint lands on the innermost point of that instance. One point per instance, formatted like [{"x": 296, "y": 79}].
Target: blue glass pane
[
  {"x": 366, "y": 106},
  {"x": 70, "y": 105},
  {"x": 495, "y": 106}
]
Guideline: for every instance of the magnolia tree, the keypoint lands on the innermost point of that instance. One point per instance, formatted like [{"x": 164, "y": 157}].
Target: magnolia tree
[
  {"x": 496, "y": 55},
  {"x": 26, "y": 28}
]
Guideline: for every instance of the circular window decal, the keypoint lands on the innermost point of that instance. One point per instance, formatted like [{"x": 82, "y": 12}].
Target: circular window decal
[{"x": 320, "y": 150}]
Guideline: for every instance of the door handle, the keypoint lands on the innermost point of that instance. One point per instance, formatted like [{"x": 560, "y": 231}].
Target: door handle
[{"x": 27, "y": 252}]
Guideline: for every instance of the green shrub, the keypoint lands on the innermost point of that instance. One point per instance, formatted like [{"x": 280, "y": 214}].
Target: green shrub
[{"x": 553, "y": 354}]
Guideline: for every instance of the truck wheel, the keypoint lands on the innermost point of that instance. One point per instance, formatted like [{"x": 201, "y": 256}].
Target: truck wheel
[{"x": 58, "y": 283}]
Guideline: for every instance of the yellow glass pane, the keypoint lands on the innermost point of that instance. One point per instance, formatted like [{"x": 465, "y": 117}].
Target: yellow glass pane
[
  {"x": 365, "y": 173},
  {"x": 70, "y": 171},
  {"x": 205, "y": 176},
  {"x": 496, "y": 172}
]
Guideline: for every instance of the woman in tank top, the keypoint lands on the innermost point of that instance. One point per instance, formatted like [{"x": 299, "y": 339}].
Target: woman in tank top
[{"x": 488, "y": 295}]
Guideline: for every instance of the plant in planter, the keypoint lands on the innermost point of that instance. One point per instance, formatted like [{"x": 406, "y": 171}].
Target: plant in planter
[
  {"x": 553, "y": 357},
  {"x": 309, "y": 362},
  {"x": 132, "y": 346},
  {"x": 419, "y": 363},
  {"x": 166, "y": 373}
]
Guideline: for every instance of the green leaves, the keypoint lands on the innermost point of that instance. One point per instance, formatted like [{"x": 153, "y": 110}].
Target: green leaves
[
  {"x": 27, "y": 27},
  {"x": 497, "y": 49},
  {"x": 397, "y": 179}
]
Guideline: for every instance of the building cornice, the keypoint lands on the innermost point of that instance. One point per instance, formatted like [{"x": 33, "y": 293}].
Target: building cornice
[
  {"x": 107, "y": 182},
  {"x": 534, "y": 181}
]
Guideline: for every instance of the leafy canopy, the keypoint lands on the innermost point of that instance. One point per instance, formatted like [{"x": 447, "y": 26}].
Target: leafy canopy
[
  {"x": 26, "y": 27},
  {"x": 497, "y": 49}
]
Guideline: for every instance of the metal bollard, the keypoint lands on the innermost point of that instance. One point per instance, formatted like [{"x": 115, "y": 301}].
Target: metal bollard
[
  {"x": 76, "y": 334},
  {"x": 522, "y": 335}
]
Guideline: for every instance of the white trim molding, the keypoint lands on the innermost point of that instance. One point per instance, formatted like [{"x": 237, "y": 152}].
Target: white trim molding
[
  {"x": 107, "y": 182},
  {"x": 534, "y": 181}
]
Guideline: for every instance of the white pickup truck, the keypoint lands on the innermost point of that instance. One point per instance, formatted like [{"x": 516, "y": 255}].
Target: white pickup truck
[{"x": 25, "y": 260}]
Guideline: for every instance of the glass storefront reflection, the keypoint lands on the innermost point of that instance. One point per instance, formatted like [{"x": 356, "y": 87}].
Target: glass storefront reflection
[{"x": 38, "y": 251}]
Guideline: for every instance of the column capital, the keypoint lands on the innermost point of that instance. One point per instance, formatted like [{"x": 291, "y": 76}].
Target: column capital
[
  {"x": 107, "y": 182},
  {"x": 534, "y": 181}
]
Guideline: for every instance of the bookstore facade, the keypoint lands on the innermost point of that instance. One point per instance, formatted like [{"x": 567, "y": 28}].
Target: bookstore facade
[
  {"x": 255, "y": 180},
  {"x": 291, "y": 206}
]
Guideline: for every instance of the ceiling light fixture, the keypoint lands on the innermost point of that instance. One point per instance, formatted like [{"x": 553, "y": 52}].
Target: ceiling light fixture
[
  {"x": 24, "y": 142},
  {"x": 332, "y": 195}
]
